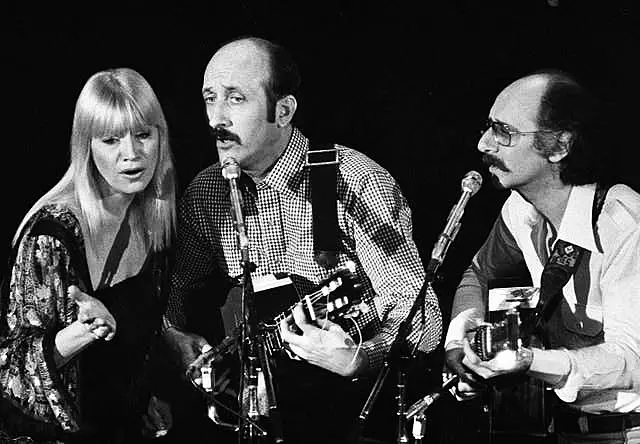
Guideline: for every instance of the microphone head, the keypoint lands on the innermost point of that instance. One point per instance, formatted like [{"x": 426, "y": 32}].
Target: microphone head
[
  {"x": 471, "y": 182},
  {"x": 230, "y": 168}
]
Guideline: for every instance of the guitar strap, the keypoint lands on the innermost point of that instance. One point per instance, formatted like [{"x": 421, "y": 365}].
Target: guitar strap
[
  {"x": 559, "y": 268},
  {"x": 322, "y": 161}
]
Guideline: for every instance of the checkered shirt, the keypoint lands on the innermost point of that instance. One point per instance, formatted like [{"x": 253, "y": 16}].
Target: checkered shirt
[{"x": 375, "y": 233}]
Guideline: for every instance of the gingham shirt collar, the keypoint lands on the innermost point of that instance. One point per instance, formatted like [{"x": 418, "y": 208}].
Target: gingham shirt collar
[{"x": 285, "y": 175}]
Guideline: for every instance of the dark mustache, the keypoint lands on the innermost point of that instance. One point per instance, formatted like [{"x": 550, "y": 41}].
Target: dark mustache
[
  {"x": 489, "y": 160},
  {"x": 220, "y": 133}
]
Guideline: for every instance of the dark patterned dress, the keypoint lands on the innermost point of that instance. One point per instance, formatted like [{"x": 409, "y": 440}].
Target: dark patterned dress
[{"x": 101, "y": 395}]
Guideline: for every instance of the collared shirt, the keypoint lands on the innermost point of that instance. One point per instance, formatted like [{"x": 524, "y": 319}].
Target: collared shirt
[
  {"x": 375, "y": 232},
  {"x": 602, "y": 296}
]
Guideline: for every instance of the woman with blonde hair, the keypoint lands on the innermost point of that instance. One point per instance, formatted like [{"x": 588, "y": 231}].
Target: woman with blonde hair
[{"x": 84, "y": 304}]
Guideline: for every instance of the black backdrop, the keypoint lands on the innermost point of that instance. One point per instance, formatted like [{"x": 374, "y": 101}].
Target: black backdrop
[{"x": 408, "y": 83}]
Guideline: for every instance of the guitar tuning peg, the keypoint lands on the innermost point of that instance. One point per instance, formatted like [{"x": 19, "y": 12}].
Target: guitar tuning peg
[
  {"x": 351, "y": 266},
  {"x": 363, "y": 307}
]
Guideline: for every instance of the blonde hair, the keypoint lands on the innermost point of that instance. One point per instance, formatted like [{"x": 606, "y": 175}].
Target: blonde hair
[{"x": 116, "y": 101}]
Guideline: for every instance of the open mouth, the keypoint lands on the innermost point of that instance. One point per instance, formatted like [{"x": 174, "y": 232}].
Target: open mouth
[{"x": 133, "y": 172}]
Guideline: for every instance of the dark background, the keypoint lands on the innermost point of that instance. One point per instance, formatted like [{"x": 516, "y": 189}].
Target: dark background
[{"x": 408, "y": 83}]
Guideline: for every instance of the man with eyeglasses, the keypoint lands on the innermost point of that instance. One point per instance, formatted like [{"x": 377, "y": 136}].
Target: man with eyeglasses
[{"x": 539, "y": 143}]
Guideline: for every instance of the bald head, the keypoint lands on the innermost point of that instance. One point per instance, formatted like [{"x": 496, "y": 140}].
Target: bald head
[
  {"x": 245, "y": 54},
  {"x": 239, "y": 62},
  {"x": 276, "y": 70},
  {"x": 522, "y": 100},
  {"x": 554, "y": 100}
]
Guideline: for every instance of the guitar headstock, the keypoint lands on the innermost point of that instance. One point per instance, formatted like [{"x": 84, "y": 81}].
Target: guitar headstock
[{"x": 337, "y": 296}]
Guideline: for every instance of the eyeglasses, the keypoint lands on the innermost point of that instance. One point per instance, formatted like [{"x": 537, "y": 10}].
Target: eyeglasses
[{"x": 503, "y": 135}]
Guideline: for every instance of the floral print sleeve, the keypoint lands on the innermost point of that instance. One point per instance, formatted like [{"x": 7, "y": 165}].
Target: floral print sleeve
[{"x": 38, "y": 307}]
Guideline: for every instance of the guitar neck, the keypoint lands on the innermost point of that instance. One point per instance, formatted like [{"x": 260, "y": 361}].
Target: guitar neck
[
  {"x": 271, "y": 331},
  {"x": 331, "y": 300}
]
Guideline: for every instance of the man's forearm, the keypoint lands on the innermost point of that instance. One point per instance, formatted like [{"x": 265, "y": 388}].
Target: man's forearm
[{"x": 550, "y": 366}]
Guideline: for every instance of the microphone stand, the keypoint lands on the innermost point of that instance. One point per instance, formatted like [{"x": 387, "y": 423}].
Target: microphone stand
[
  {"x": 398, "y": 359},
  {"x": 248, "y": 359},
  {"x": 249, "y": 350},
  {"x": 254, "y": 360}
]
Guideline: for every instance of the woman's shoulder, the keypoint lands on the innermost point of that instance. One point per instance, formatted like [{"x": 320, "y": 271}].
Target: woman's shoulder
[{"x": 52, "y": 218}]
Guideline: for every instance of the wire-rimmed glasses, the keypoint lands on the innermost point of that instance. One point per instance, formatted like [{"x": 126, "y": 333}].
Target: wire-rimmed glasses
[{"x": 503, "y": 135}]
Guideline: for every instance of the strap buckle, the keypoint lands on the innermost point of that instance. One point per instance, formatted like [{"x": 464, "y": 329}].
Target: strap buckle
[{"x": 321, "y": 157}]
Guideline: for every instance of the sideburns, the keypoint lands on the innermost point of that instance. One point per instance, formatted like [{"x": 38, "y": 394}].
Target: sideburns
[{"x": 544, "y": 144}]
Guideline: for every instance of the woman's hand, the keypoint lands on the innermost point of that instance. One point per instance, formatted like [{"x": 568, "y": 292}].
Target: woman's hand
[{"x": 93, "y": 314}]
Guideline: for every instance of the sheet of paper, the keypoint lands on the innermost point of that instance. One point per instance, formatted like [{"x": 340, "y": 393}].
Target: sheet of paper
[{"x": 513, "y": 297}]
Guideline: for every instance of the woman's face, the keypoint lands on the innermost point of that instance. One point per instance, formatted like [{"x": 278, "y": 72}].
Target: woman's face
[{"x": 127, "y": 161}]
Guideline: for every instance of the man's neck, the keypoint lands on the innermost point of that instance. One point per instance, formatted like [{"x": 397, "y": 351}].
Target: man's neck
[
  {"x": 275, "y": 151},
  {"x": 550, "y": 200}
]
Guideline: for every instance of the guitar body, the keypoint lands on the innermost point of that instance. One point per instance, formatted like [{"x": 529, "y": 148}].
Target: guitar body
[
  {"x": 521, "y": 407},
  {"x": 270, "y": 300},
  {"x": 518, "y": 405},
  {"x": 336, "y": 298}
]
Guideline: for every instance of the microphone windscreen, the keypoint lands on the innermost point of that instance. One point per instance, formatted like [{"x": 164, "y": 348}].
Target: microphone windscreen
[{"x": 471, "y": 182}]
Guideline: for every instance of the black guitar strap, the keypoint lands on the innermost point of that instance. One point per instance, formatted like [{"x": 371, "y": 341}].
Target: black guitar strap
[
  {"x": 560, "y": 266},
  {"x": 322, "y": 161}
]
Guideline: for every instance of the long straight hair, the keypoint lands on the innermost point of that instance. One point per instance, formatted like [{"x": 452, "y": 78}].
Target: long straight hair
[{"x": 116, "y": 101}]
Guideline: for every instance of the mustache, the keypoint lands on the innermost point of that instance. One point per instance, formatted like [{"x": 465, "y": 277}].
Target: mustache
[
  {"x": 220, "y": 133},
  {"x": 489, "y": 160}
]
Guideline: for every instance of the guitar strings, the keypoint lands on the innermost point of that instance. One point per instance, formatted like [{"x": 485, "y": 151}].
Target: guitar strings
[
  {"x": 359, "y": 342},
  {"x": 313, "y": 297}
]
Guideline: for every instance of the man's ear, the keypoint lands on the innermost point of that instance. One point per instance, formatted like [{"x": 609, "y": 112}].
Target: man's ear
[
  {"x": 285, "y": 110},
  {"x": 563, "y": 146}
]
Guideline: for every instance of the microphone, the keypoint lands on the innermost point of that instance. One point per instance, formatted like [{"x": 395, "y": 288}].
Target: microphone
[
  {"x": 420, "y": 406},
  {"x": 231, "y": 172},
  {"x": 471, "y": 183}
]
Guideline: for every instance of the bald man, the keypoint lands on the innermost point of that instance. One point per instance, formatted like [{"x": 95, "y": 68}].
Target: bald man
[
  {"x": 538, "y": 144},
  {"x": 250, "y": 91}
]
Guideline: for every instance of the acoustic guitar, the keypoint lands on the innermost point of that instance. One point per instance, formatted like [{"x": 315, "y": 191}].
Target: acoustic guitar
[
  {"x": 337, "y": 298},
  {"x": 517, "y": 404}
]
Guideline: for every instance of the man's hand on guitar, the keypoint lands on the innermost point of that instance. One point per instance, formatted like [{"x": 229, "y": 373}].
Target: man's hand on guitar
[
  {"x": 322, "y": 343},
  {"x": 184, "y": 347},
  {"x": 505, "y": 362},
  {"x": 469, "y": 384}
]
